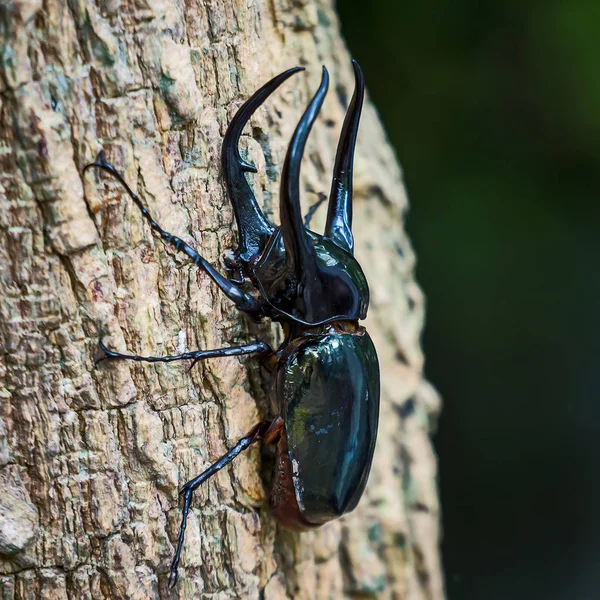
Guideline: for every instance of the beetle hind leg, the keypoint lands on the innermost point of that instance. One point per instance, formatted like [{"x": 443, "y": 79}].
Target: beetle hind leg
[{"x": 261, "y": 430}]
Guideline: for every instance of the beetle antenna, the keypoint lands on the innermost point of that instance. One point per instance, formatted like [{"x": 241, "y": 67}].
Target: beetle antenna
[
  {"x": 298, "y": 248},
  {"x": 252, "y": 226},
  {"x": 339, "y": 214}
]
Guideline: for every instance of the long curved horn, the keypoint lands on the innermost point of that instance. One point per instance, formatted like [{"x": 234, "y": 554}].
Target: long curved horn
[
  {"x": 339, "y": 213},
  {"x": 252, "y": 225},
  {"x": 298, "y": 248}
]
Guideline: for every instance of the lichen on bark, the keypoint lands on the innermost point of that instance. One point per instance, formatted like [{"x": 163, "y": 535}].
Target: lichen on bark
[{"x": 91, "y": 459}]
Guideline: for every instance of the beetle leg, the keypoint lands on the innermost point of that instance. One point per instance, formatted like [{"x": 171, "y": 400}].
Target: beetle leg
[
  {"x": 243, "y": 301},
  {"x": 253, "y": 228},
  {"x": 321, "y": 197},
  {"x": 254, "y": 435},
  {"x": 233, "y": 264},
  {"x": 274, "y": 432},
  {"x": 195, "y": 355}
]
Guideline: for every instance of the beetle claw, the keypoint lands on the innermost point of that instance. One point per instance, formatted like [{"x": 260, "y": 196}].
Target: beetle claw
[
  {"x": 184, "y": 488},
  {"x": 102, "y": 353},
  {"x": 101, "y": 163},
  {"x": 173, "y": 578}
]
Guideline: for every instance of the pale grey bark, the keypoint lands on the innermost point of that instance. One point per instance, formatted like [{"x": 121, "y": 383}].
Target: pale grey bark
[{"x": 91, "y": 460}]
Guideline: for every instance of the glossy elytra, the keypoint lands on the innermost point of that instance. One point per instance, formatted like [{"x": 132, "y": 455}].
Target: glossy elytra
[{"x": 324, "y": 391}]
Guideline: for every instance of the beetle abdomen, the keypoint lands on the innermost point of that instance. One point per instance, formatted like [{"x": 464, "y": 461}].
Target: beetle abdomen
[
  {"x": 283, "y": 496},
  {"x": 330, "y": 390}
]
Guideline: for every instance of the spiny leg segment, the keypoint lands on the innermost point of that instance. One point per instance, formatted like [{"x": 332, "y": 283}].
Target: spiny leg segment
[
  {"x": 194, "y": 355},
  {"x": 243, "y": 301},
  {"x": 258, "y": 432}
]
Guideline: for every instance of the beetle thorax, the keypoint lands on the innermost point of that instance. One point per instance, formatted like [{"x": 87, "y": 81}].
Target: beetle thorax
[{"x": 332, "y": 287}]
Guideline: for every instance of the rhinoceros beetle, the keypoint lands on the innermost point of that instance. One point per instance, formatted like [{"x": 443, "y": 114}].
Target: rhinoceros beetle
[{"x": 324, "y": 391}]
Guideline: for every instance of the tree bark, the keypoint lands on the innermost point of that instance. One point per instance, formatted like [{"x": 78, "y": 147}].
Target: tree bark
[{"x": 91, "y": 458}]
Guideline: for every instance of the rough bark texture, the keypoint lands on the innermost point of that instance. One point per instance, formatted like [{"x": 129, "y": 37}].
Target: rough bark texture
[{"x": 91, "y": 459}]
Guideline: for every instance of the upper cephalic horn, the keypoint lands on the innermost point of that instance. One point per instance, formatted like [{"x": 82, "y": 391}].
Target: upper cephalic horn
[
  {"x": 339, "y": 214},
  {"x": 298, "y": 248},
  {"x": 252, "y": 225}
]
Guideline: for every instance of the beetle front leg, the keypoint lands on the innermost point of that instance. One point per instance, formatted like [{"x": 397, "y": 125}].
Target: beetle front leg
[
  {"x": 243, "y": 301},
  {"x": 259, "y": 431},
  {"x": 233, "y": 264},
  {"x": 321, "y": 197}
]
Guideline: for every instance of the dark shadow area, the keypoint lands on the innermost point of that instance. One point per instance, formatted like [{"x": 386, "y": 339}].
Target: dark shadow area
[{"x": 494, "y": 110}]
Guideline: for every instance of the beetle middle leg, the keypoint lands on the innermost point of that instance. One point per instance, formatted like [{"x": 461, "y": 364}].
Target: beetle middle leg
[
  {"x": 268, "y": 430},
  {"x": 194, "y": 355},
  {"x": 243, "y": 301}
]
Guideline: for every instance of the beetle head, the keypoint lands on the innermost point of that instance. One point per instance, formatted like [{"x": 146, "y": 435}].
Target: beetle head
[{"x": 307, "y": 277}]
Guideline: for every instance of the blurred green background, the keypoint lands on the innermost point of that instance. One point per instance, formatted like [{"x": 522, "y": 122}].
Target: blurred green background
[{"x": 494, "y": 110}]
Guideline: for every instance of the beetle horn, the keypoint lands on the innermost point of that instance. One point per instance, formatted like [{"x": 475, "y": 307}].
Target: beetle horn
[
  {"x": 339, "y": 214},
  {"x": 252, "y": 226},
  {"x": 298, "y": 248}
]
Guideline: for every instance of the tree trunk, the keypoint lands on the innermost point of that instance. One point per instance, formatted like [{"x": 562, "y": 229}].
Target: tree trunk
[{"x": 91, "y": 458}]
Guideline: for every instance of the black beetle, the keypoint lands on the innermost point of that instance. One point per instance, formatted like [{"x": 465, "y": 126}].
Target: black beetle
[{"x": 324, "y": 394}]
